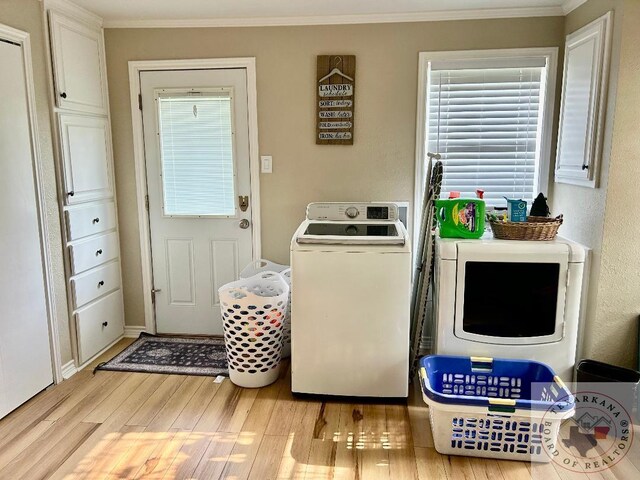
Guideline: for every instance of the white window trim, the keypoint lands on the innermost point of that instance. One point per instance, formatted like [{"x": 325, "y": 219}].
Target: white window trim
[{"x": 425, "y": 58}]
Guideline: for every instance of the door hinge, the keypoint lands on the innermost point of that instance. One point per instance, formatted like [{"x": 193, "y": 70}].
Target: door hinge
[
  {"x": 140, "y": 101},
  {"x": 146, "y": 202}
]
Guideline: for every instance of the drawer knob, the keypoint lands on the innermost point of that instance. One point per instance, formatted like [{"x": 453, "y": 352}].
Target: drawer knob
[
  {"x": 98, "y": 252},
  {"x": 101, "y": 283},
  {"x": 104, "y": 324},
  {"x": 71, "y": 193},
  {"x": 63, "y": 94},
  {"x": 96, "y": 220}
]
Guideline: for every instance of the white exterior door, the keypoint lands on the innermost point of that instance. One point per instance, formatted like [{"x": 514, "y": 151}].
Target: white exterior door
[
  {"x": 25, "y": 356},
  {"x": 197, "y": 157}
]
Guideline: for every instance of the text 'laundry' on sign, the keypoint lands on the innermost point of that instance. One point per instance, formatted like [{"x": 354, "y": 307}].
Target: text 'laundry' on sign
[{"x": 340, "y": 90}]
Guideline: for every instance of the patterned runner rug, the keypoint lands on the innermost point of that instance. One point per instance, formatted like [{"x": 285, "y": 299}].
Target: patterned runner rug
[{"x": 173, "y": 355}]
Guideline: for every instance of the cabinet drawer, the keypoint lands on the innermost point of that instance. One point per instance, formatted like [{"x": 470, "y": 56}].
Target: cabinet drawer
[
  {"x": 89, "y": 220},
  {"x": 94, "y": 252},
  {"x": 99, "y": 324},
  {"x": 94, "y": 283}
]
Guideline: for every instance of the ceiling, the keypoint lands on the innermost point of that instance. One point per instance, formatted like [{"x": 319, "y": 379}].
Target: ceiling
[{"x": 176, "y": 13}]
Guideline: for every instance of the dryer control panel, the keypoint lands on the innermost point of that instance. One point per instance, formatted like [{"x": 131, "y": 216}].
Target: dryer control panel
[{"x": 338, "y": 211}]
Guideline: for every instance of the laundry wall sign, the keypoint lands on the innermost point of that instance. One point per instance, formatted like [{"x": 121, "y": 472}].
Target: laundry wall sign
[{"x": 335, "y": 99}]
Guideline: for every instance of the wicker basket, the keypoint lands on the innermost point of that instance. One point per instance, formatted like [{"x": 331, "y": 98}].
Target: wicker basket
[{"x": 535, "y": 228}]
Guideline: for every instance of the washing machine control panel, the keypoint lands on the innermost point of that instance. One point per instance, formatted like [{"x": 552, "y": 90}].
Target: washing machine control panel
[{"x": 336, "y": 211}]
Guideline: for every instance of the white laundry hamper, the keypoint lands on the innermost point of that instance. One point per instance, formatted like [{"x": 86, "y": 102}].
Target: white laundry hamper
[
  {"x": 286, "y": 343},
  {"x": 263, "y": 265},
  {"x": 253, "y": 312}
]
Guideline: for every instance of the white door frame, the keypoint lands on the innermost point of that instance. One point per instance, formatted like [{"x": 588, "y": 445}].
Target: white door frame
[
  {"x": 135, "y": 67},
  {"x": 23, "y": 40}
]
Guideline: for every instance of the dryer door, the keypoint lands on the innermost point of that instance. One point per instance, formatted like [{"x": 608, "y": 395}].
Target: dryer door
[{"x": 511, "y": 294}]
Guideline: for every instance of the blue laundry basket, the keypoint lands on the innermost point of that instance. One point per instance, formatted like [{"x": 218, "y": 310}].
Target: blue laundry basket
[{"x": 485, "y": 407}]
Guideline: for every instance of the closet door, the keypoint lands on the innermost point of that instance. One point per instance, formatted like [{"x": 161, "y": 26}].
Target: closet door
[
  {"x": 25, "y": 357},
  {"x": 78, "y": 65},
  {"x": 86, "y": 156}
]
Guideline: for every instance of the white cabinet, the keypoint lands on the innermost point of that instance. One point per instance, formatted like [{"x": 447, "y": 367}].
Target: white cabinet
[
  {"x": 86, "y": 157},
  {"x": 87, "y": 183},
  {"x": 78, "y": 65},
  {"x": 582, "y": 111}
]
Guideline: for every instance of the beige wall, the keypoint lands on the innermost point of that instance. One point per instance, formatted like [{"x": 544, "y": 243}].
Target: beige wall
[
  {"x": 619, "y": 293},
  {"x": 600, "y": 218},
  {"x": 380, "y": 164},
  {"x": 26, "y": 15}
]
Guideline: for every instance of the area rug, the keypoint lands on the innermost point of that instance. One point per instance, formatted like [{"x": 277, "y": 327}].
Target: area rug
[{"x": 173, "y": 355}]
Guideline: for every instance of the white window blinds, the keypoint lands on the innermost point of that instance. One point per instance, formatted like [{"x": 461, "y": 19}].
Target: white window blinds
[
  {"x": 485, "y": 120},
  {"x": 196, "y": 147}
]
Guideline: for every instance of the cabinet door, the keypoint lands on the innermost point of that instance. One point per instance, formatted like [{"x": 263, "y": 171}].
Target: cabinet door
[
  {"x": 78, "y": 65},
  {"x": 582, "y": 110},
  {"x": 86, "y": 154}
]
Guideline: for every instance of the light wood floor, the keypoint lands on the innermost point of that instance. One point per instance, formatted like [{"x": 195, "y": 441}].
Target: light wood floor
[{"x": 130, "y": 425}]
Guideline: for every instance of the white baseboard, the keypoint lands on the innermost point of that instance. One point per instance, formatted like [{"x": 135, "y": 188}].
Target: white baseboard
[
  {"x": 69, "y": 369},
  {"x": 133, "y": 331}
]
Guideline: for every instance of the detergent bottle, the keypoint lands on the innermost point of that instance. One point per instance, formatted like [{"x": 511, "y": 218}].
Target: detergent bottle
[{"x": 461, "y": 217}]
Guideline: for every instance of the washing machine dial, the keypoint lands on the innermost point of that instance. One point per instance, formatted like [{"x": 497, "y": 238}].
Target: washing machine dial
[{"x": 352, "y": 212}]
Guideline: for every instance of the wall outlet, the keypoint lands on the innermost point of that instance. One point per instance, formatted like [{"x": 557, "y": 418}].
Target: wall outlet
[{"x": 266, "y": 164}]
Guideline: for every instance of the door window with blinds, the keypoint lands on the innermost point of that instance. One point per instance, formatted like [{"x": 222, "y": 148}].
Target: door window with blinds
[
  {"x": 485, "y": 119},
  {"x": 195, "y": 137}
]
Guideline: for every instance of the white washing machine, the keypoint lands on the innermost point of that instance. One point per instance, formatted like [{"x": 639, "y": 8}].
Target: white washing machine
[{"x": 351, "y": 295}]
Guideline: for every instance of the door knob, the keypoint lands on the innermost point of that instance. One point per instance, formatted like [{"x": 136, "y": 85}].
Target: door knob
[
  {"x": 63, "y": 94},
  {"x": 96, "y": 220},
  {"x": 244, "y": 224},
  {"x": 104, "y": 324},
  {"x": 98, "y": 252}
]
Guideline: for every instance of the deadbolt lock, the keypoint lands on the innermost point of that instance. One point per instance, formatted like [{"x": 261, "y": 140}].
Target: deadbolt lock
[{"x": 243, "y": 202}]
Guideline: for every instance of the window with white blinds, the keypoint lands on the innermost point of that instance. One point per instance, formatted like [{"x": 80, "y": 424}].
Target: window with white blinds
[
  {"x": 196, "y": 148},
  {"x": 485, "y": 119}
]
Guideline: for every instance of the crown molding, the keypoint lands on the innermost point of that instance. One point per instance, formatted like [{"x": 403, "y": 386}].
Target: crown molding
[
  {"x": 488, "y": 13},
  {"x": 570, "y": 5},
  {"x": 73, "y": 10}
]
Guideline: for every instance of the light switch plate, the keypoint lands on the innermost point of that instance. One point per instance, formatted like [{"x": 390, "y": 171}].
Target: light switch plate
[{"x": 266, "y": 164}]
